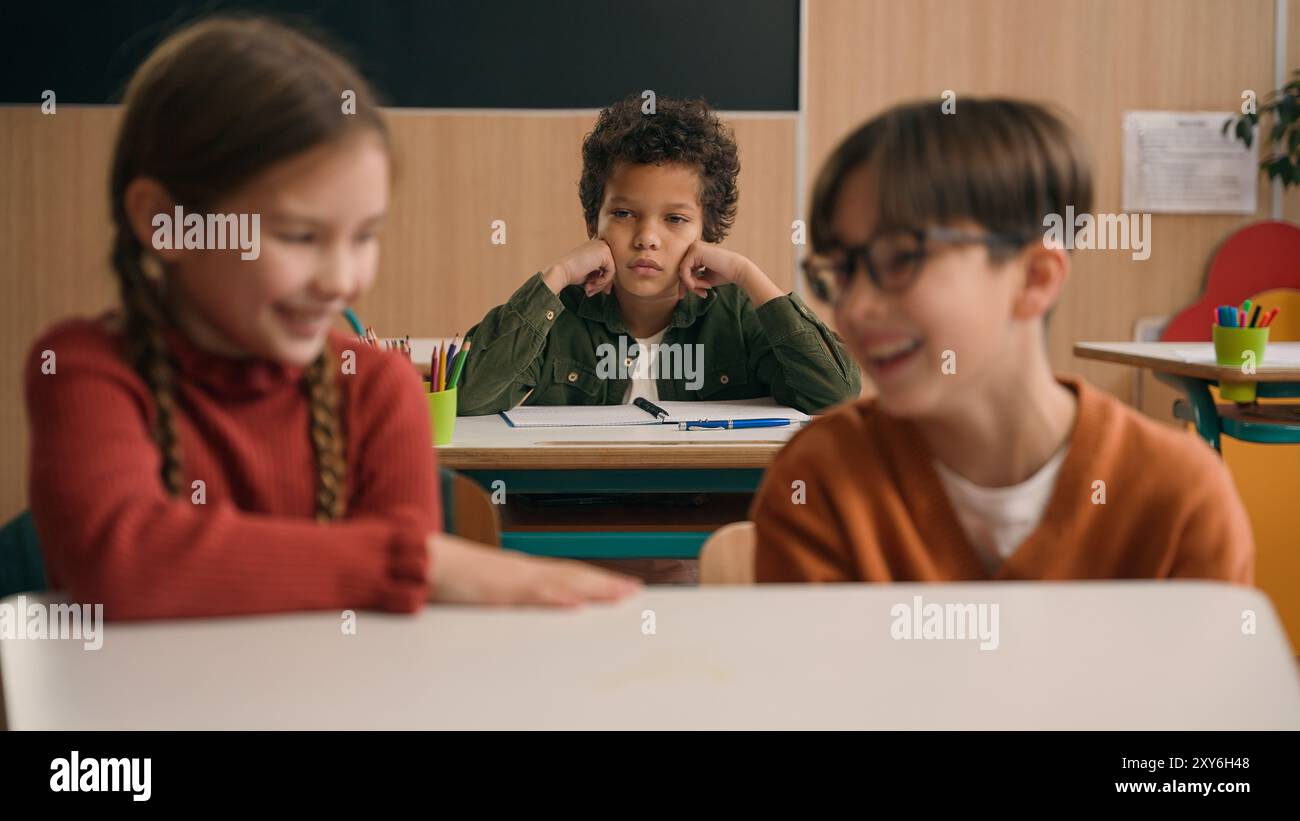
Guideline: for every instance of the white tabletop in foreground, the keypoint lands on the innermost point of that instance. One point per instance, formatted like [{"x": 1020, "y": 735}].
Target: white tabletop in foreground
[{"x": 1079, "y": 655}]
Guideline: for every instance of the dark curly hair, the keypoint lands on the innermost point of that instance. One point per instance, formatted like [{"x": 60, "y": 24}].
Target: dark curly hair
[{"x": 680, "y": 131}]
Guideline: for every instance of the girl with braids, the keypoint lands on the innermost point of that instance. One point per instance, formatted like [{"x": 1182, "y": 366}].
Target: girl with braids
[{"x": 204, "y": 451}]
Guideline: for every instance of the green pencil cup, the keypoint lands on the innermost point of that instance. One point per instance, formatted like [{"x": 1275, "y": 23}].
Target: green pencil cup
[
  {"x": 1230, "y": 346},
  {"x": 442, "y": 415}
]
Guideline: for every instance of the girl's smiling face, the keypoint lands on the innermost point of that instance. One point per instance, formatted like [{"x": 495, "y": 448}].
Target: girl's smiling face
[
  {"x": 650, "y": 217},
  {"x": 321, "y": 211}
]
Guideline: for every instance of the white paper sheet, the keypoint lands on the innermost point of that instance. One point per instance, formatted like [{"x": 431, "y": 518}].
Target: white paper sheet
[
  {"x": 563, "y": 416},
  {"x": 1181, "y": 162}
]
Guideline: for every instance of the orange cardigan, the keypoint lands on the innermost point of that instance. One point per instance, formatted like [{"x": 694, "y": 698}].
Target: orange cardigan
[{"x": 874, "y": 509}]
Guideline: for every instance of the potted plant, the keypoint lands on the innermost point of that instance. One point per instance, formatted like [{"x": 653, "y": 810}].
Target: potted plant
[{"x": 1283, "y": 107}]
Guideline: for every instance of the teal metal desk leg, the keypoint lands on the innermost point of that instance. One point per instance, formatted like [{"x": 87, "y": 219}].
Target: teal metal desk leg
[
  {"x": 614, "y": 544},
  {"x": 1197, "y": 391},
  {"x": 607, "y": 544}
]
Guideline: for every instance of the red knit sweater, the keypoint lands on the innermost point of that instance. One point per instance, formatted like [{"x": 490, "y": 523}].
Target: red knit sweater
[{"x": 112, "y": 535}]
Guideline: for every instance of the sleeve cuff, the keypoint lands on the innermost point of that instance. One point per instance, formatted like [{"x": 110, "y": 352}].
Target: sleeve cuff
[
  {"x": 535, "y": 302},
  {"x": 408, "y": 571}
]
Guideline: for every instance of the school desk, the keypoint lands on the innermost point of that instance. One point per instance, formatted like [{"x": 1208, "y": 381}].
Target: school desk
[
  {"x": 570, "y": 466},
  {"x": 1078, "y": 656},
  {"x": 1265, "y": 424}
]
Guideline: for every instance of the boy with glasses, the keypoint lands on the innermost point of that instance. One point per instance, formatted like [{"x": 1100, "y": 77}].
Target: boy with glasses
[{"x": 975, "y": 460}]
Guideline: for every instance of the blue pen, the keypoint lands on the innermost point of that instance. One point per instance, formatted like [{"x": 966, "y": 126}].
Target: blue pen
[{"x": 733, "y": 424}]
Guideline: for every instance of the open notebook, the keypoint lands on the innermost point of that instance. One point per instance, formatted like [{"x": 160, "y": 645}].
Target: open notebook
[{"x": 582, "y": 416}]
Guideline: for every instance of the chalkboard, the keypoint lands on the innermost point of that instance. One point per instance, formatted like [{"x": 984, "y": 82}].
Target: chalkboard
[{"x": 737, "y": 54}]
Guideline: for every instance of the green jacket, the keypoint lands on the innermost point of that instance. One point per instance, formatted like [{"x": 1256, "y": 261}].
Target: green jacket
[{"x": 552, "y": 345}]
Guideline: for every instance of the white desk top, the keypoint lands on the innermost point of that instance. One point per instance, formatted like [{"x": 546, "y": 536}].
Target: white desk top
[
  {"x": 1281, "y": 359},
  {"x": 490, "y": 442},
  {"x": 1100, "y": 655}
]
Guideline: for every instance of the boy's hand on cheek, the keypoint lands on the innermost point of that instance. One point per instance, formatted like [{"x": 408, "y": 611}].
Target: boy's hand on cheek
[
  {"x": 721, "y": 266},
  {"x": 591, "y": 264}
]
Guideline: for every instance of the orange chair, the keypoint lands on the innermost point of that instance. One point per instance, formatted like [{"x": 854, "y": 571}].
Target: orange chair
[
  {"x": 728, "y": 555},
  {"x": 1262, "y": 263},
  {"x": 1268, "y": 479}
]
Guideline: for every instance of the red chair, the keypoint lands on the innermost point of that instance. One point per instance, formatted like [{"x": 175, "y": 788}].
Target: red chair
[
  {"x": 1259, "y": 257},
  {"x": 1261, "y": 262}
]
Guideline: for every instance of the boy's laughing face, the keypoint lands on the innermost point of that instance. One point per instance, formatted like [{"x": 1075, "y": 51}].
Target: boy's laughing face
[
  {"x": 959, "y": 302},
  {"x": 650, "y": 216}
]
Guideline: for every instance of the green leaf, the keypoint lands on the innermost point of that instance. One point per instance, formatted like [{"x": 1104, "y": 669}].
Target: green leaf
[
  {"x": 1244, "y": 132},
  {"x": 1279, "y": 167},
  {"x": 1288, "y": 108}
]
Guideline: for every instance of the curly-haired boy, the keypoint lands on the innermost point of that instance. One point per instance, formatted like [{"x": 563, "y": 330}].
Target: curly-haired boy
[{"x": 649, "y": 306}]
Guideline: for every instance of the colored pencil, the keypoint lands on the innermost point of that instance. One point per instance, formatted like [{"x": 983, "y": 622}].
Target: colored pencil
[{"x": 458, "y": 365}]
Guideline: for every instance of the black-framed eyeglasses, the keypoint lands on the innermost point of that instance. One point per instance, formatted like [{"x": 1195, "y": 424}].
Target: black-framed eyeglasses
[{"x": 892, "y": 260}]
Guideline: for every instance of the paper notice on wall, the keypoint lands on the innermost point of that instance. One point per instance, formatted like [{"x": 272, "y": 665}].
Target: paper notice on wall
[{"x": 1181, "y": 162}]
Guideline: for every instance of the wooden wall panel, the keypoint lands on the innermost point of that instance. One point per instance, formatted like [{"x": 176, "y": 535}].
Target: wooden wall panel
[
  {"x": 458, "y": 171},
  {"x": 439, "y": 271},
  {"x": 1291, "y": 200},
  {"x": 1095, "y": 59},
  {"x": 54, "y": 245}
]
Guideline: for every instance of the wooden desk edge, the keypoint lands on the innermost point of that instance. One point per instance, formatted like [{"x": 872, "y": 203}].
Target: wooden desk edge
[{"x": 620, "y": 457}]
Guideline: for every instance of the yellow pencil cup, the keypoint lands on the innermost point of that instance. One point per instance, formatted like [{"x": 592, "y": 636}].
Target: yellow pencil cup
[
  {"x": 1230, "y": 347},
  {"x": 442, "y": 415}
]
